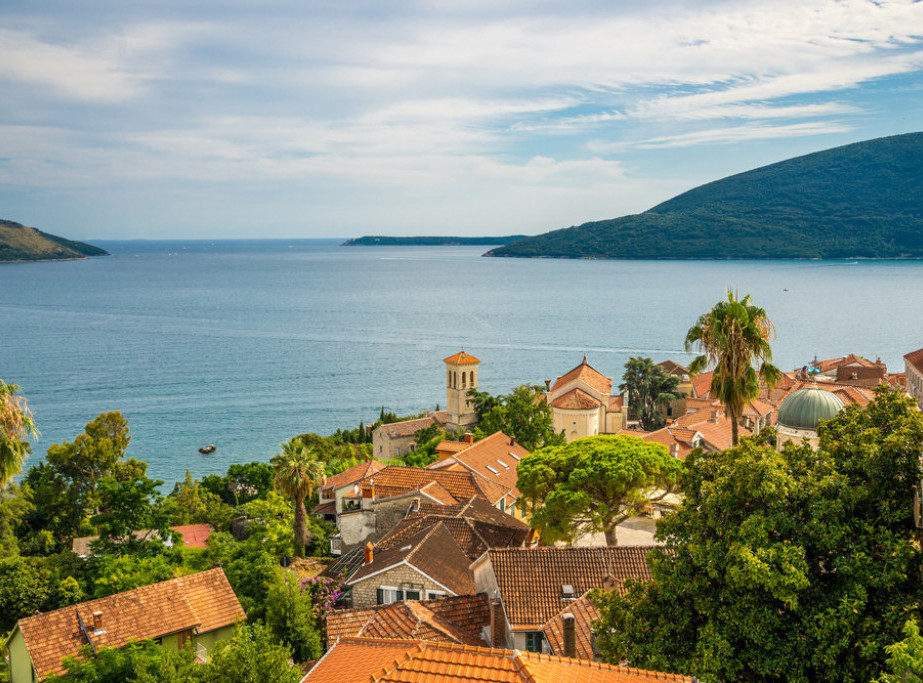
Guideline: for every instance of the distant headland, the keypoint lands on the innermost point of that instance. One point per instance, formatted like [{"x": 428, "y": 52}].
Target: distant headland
[
  {"x": 863, "y": 200},
  {"x": 22, "y": 243},
  {"x": 437, "y": 241}
]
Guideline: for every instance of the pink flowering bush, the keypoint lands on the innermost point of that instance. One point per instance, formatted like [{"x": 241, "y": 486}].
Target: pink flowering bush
[{"x": 327, "y": 594}]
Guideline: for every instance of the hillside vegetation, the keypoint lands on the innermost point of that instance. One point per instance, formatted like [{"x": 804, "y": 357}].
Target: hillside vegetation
[
  {"x": 21, "y": 243},
  {"x": 860, "y": 200}
]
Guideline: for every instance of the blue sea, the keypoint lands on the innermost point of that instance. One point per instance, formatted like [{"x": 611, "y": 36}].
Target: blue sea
[{"x": 245, "y": 344}]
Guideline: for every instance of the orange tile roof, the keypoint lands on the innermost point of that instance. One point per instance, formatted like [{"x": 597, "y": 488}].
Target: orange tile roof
[
  {"x": 461, "y": 486},
  {"x": 719, "y": 434},
  {"x": 447, "y": 446},
  {"x": 575, "y": 399},
  {"x": 378, "y": 660},
  {"x": 898, "y": 379},
  {"x": 194, "y": 536},
  {"x": 616, "y": 403},
  {"x": 915, "y": 360},
  {"x": 587, "y": 374},
  {"x": 671, "y": 367},
  {"x": 530, "y": 579},
  {"x": 669, "y": 436},
  {"x": 495, "y": 458},
  {"x": 353, "y": 474},
  {"x": 203, "y": 601},
  {"x": 701, "y": 384},
  {"x": 455, "y": 619},
  {"x": 434, "y": 552},
  {"x": 585, "y": 614},
  {"x": 461, "y": 358}
]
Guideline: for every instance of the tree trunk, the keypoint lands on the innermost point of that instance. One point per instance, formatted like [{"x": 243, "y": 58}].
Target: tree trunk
[
  {"x": 301, "y": 526},
  {"x": 611, "y": 538},
  {"x": 735, "y": 431}
]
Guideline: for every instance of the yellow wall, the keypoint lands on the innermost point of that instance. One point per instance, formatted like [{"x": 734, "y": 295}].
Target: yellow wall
[{"x": 210, "y": 639}]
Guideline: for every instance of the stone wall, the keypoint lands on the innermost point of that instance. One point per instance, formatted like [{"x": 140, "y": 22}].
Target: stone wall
[{"x": 365, "y": 593}]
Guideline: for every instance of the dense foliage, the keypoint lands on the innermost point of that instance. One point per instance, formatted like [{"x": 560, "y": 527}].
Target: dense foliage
[
  {"x": 864, "y": 199},
  {"x": 650, "y": 389},
  {"x": 522, "y": 414},
  {"x": 594, "y": 484},
  {"x": 784, "y": 566}
]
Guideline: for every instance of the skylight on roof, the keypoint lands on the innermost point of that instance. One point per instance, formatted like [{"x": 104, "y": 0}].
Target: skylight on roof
[
  {"x": 514, "y": 456},
  {"x": 492, "y": 469},
  {"x": 503, "y": 463}
]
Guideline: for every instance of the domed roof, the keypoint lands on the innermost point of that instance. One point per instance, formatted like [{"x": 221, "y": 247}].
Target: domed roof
[{"x": 804, "y": 408}]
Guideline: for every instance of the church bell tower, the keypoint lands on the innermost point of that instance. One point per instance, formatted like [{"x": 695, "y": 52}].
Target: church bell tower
[{"x": 461, "y": 376}]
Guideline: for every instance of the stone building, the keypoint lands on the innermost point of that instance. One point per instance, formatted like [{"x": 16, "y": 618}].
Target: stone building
[{"x": 582, "y": 403}]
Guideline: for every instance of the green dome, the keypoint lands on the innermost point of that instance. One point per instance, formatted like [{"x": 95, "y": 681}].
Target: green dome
[{"x": 804, "y": 408}]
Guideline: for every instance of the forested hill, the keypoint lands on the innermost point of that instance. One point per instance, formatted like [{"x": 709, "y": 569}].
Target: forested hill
[
  {"x": 427, "y": 241},
  {"x": 21, "y": 243},
  {"x": 859, "y": 200}
]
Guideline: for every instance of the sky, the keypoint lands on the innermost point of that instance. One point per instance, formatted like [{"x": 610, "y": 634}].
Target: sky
[{"x": 292, "y": 118}]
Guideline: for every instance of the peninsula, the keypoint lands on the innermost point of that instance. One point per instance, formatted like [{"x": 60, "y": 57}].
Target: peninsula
[
  {"x": 21, "y": 243},
  {"x": 863, "y": 200},
  {"x": 427, "y": 241}
]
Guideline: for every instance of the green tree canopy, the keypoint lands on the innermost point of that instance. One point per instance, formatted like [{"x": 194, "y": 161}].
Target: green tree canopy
[
  {"x": 793, "y": 566},
  {"x": 731, "y": 337},
  {"x": 16, "y": 426},
  {"x": 297, "y": 472},
  {"x": 522, "y": 414},
  {"x": 649, "y": 388},
  {"x": 594, "y": 484}
]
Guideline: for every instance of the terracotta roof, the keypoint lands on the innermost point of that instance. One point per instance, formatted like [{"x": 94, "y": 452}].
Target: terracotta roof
[
  {"x": 397, "y": 430},
  {"x": 616, "y": 403},
  {"x": 495, "y": 458},
  {"x": 827, "y": 365},
  {"x": 460, "y": 485},
  {"x": 575, "y": 399},
  {"x": 669, "y": 436},
  {"x": 898, "y": 379},
  {"x": 203, "y": 601},
  {"x": 373, "y": 660},
  {"x": 434, "y": 552},
  {"x": 530, "y": 579},
  {"x": 461, "y": 358},
  {"x": 701, "y": 384},
  {"x": 455, "y": 619},
  {"x": 758, "y": 408},
  {"x": 584, "y": 615},
  {"x": 353, "y": 474},
  {"x": 674, "y": 368},
  {"x": 719, "y": 434},
  {"x": 451, "y": 446},
  {"x": 587, "y": 374},
  {"x": 915, "y": 360}
]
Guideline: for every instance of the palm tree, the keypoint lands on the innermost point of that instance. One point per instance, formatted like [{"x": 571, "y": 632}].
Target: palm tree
[
  {"x": 297, "y": 472},
  {"x": 732, "y": 336},
  {"x": 16, "y": 426}
]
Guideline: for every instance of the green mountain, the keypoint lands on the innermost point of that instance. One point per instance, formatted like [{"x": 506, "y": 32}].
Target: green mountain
[
  {"x": 385, "y": 241},
  {"x": 861, "y": 200},
  {"x": 21, "y": 243}
]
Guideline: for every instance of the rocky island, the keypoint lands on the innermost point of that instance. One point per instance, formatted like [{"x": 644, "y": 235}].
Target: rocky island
[{"x": 22, "y": 243}]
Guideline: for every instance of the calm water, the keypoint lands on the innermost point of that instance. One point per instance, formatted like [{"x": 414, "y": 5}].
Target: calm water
[{"x": 246, "y": 344}]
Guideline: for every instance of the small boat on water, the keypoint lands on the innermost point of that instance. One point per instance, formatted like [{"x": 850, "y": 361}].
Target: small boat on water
[{"x": 210, "y": 448}]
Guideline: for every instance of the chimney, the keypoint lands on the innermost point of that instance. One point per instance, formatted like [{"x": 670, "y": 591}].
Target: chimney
[
  {"x": 512, "y": 441},
  {"x": 497, "y": 625},
  {"x": 369, "y": 553},
  {"x": 97, "y": 621},
  {"x": 468, "y": 437},
  {"x": 547, "y": 385},
  {"x": 368, "y": 491},
  {"x": 714, "y": 414},
  {"x": 570, "y": 635}
]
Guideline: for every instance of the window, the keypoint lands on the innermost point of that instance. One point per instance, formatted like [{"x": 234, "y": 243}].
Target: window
[
  {"x": 387, "y": 594},
  {"x": 503, "y": 504},
  {"x": 412, "y": 595},
  {"x": 430, "y": 595},
  {"x": 534, "y": 641}
]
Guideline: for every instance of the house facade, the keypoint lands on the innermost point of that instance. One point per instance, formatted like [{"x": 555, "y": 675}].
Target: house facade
[
  {"x": 913, "y": 376},
  {"x": 201, "y": 608},
  {"x": 582, "y": 403}
]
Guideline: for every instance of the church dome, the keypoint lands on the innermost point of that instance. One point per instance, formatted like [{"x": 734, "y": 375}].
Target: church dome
[{"x": 804, "y": 408}]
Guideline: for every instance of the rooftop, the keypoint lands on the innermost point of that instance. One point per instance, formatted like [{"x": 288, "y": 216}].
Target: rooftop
[
  {"x": 587, "y": 374},
  {"x": 461, "y": 358},
  {"x": 204, "y": 602},
  {"x": 370, "y": 660}
]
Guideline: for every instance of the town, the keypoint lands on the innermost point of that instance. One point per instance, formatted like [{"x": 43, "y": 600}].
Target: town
[{"x": 717, "y": 521}]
